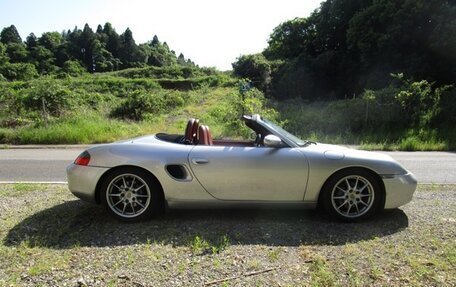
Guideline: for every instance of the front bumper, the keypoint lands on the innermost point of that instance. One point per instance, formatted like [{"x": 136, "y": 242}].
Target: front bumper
[
  {"x": 82, "y": 180},
  {"x": 399, "y": 189}
]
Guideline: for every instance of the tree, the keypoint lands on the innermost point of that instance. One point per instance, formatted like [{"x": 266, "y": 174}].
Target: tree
[
  {"x": 50, "y": 40},
  {"x": 290, "y": 39},
  {"x": 403, "y": 36},
  {"x": 181, "y": 60},
  {"x": 3, "y": 56},
  {"x": 255, "y": 68},
  {"x": 103, "y": 60},
  {"x": 129, "y": 53},
  {"x": 86, "y": 43},
  {"x": 347, "y": 46},
  {"x": 10, "y": 35},
  {"x": 113, "y": 43},
  {"x": 155, "y": 42},
  {"x": 62, "y": 54},
  {"x": 31, "y": 41},
  {"x": 16, "y": 52},
  {"x": 102, "y": 51},
  {"x": 44, "y": 60},
  {"x": 99, "y": 29},
  {"x": 159, "y": 54}
]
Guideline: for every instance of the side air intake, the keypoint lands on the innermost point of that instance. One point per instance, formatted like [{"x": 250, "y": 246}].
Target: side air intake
[{"x": 178, "y": 172}]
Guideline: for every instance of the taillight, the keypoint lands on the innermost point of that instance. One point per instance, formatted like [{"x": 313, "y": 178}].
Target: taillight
[{"x": 82, "y": 159}]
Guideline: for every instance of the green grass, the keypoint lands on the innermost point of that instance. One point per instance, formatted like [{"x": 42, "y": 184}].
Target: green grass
[
  {"x": 411, "y": 143},
  {"x": 77, "y": 129},
  {"x": 345, "y": 122},
  {"x": 19, "y": 189},
  {"x": 217, "y": 108}
]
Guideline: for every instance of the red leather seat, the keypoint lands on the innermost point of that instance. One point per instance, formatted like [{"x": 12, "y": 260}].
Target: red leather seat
[
  {"x": 191, "y": 131},
  {"x": 209, "y": 136},
  {"x": 204, "y": 135},
  {"x": 195, "y": 131}
]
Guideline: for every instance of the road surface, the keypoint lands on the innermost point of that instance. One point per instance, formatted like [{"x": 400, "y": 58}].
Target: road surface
[{"x": 49, "y": 164}]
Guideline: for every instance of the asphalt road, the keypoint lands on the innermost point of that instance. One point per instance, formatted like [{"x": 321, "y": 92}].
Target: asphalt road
[
  {"x": 35, "y": 164},
  {"x": 49, "y": 164}
]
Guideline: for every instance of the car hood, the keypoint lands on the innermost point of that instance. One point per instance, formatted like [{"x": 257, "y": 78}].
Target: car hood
[
  {"x": 382, "y": 163},
  {"x": 338, "y": 152}
]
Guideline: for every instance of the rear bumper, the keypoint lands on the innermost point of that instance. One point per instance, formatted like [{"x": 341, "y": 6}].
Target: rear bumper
[
  {"x": 82, "y": 180},
  {"x": 399, "y": 190}
]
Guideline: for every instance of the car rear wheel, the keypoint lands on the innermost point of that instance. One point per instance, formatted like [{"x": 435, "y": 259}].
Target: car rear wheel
[
  {"x": 352, "y": 195},
  {"x": 130, "y": 194}
]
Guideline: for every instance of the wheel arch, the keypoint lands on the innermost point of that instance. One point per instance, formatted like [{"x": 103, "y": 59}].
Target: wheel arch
[
  {"x": 109, "y": 171},
  {"x": 354, "y": 169}
]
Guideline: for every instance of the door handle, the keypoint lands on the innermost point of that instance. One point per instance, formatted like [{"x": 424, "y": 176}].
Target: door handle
[{"x": 199, "y": 161}]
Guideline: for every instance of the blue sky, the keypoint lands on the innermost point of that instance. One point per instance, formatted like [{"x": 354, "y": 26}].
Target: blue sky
[{"x": 211, "y": 33}]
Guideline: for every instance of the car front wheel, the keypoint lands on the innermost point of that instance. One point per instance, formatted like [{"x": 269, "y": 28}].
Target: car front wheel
[{"x": 352, "y": 195}]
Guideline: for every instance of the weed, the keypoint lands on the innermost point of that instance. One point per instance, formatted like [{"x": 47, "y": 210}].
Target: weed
[
  {"x": 201, "y": 246},
  {"x": 376, "y": 273},
  {"x": 274, "y": 254},
  {"x": 321, "y": 274},
  {"x": 222, "y": 243}
]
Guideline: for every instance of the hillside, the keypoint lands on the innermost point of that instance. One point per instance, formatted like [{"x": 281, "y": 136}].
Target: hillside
[
  {"x": 111, "y": 106},
  {"x": 108, "y": 106}
]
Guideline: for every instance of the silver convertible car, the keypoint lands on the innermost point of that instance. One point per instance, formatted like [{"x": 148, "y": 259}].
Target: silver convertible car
[{"x": 136, "y": 179}]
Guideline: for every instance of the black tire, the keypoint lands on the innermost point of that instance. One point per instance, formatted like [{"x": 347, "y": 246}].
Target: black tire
[
  {"x": 131, "y": 194},
  {"x": 352, "y": 195}
]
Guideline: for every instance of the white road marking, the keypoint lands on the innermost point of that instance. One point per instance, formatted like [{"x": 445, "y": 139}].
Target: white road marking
[{"x": 33, "y": 182}]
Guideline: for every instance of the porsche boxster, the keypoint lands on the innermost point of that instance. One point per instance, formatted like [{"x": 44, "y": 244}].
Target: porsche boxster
[{"x": 138, "y": 178}]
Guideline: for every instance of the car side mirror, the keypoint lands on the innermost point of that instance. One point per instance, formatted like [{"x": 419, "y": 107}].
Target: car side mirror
[{"x": 272, "y": 141}]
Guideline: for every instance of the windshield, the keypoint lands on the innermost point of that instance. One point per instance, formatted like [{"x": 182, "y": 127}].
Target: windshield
[{"x": 284, "y": 133}]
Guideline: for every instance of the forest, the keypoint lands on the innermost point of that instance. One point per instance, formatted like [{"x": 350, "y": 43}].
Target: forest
[
  {"x": 381, "y": 68},
  {"x": 76, "y": 51},
  {"x": 377, "y": 73}
]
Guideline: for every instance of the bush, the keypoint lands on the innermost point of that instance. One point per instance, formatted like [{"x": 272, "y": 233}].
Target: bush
[
  {"x": 73, "y": 68},
  {"x": 447, "y": 108},
  {"x": 118, "y": 87},
  {"x": 57, "y": 98},
  {"x": 191, "y": 84},
  {"x": 11, "y": 108},
  {"x": 171, "y": 72},
  {"x": 138, "y": 105},
  {"x": 227, "y": 112},
  {"x": 18, "y": 71},
  {"x": 408, "y": 114}
]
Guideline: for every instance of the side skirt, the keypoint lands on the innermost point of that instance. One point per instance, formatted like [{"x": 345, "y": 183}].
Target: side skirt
[{"x": 240, "y": 204}]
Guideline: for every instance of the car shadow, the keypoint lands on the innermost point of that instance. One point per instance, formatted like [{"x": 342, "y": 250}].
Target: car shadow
[{"x": 75, "y": 223}]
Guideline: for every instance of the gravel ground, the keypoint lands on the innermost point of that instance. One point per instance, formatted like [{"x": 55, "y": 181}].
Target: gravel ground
[{"x": 49, "y": 238}]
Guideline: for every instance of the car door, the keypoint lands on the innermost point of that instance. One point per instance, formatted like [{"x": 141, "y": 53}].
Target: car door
[{"x": 250, "y": 173}]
